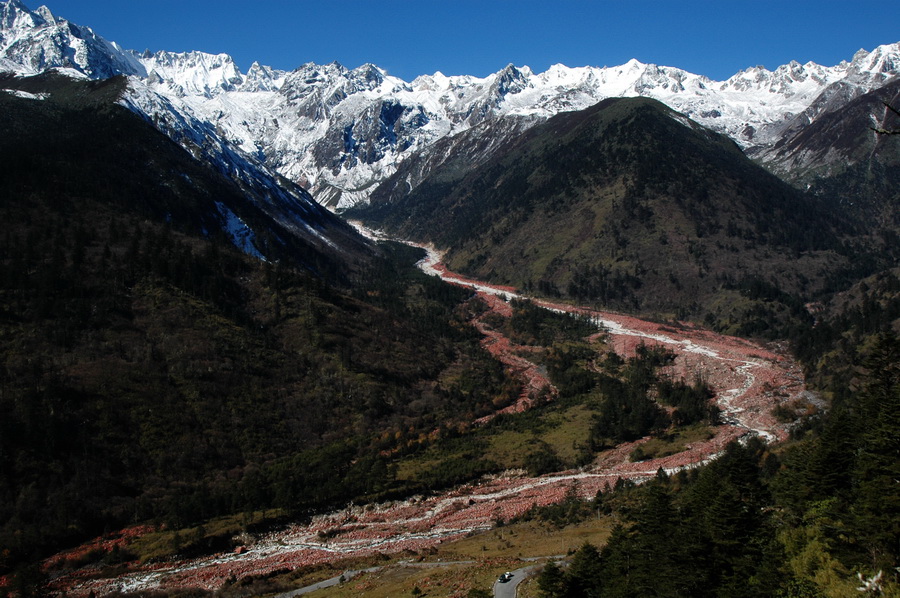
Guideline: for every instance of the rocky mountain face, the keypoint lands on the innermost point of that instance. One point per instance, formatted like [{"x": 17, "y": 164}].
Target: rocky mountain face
[
  {"x": 340, "y": 132},
  {"x": 841, "y": 155},
  {"x": 32, "y": 43}
]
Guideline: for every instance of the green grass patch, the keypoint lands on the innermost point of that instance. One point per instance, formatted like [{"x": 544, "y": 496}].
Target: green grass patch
[
  {"x": 216, "y": 534},
  {"x": 672, "y": 443},
  {"x": 561, "y": 429},
  {"x": 529, "y": 539},
  {"x": 421, "y": 579},
  {"x": 572, "y": 433},
  {"x": 474, "y": 562}
]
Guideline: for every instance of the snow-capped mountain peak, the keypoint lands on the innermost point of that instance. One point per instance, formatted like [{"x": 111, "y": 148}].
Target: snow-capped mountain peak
[
  {"x": 35, "y": 41},
  {"x": 193, "y": 73},
  {"x": 263, "y": 78},
  {"x": 511, "y": 80},
  {"x": 882, "y": 62},
  {"x": 341, "y": 131},
  {"x": 44, "y": 12},
  {"x": 15, "y": 16}
]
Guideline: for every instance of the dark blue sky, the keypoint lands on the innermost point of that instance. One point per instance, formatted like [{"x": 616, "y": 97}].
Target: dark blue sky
[{"x": 410, "y": 38}]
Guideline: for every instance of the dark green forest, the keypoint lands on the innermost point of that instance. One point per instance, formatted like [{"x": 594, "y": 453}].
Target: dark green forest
[
  {"x": 151, "y": 372},
  {"x": 148, "y": 375}
]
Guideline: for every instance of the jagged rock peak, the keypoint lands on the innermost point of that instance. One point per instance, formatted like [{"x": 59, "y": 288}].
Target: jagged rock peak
[
  {"x": 15, "y": 15},
  {"x": 370, "y": 73},
  {"x": 263, "y": 78},
  {"x": 512, "y": 79},
  {"x": 312, "y": 73},
  {"x": 193, "y": 73},
  {"x": 37, "y": 41},
  {"x": 46, "y": 14},
  {"x": 883, "y": 59}
]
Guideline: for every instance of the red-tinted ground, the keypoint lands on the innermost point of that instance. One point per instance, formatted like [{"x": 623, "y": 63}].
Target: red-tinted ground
[{"x": 749, "y": 380}]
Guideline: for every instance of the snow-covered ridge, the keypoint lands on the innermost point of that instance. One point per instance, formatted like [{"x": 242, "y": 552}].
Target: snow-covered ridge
[
  {"x": 37, "y": 41},
  {"x": 25, "y": 95},
  {"x": 205, "y": 75},
  {"x": 340, "y": 131}
]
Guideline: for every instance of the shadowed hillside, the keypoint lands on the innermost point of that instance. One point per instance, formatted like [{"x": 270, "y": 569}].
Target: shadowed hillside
[
  {"x": 840, "y": 157},
  {"x": 151, "y": 371}
]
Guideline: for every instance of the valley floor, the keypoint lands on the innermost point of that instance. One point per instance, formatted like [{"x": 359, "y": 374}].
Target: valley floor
[{"x": 748, "y": 379}]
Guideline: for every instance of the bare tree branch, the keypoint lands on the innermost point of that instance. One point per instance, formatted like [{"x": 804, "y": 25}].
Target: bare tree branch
[
  {"x": 888, "y": 131},
  {"x": 885, "y": 131},
  {"x": 891, "y": 108}
]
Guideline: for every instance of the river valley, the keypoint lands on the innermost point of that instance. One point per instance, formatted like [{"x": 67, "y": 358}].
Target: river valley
[{"x": 749, "y": 381}]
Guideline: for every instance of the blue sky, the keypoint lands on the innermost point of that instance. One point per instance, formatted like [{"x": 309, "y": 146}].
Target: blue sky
[{"x": 410, "y": 38}]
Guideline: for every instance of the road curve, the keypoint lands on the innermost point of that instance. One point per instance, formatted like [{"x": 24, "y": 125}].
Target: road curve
[
  {"x": 339, "y": 579},
  {"x": 509, "y": 588}
]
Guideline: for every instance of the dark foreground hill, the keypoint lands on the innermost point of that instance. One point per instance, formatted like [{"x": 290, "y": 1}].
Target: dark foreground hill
[
  {"x": 151, "y": 371},
  {"x": 630, "y": 205}
]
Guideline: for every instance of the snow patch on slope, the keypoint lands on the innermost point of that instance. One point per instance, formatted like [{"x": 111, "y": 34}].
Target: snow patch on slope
[
  {"x": 27, "y": 96},
  {"x": 241, "y": 235}
]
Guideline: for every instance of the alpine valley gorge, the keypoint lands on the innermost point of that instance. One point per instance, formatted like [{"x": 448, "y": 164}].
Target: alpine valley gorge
[{"x": 620, "y": 331}]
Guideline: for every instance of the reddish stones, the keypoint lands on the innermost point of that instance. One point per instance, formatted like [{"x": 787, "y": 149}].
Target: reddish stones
[{"x": 749, "y": 380}]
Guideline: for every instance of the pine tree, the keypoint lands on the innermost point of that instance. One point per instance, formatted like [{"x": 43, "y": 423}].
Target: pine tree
[
  {"x": 584, "y": 577},
  {"x": 552, "y": 581},
  {"x": 876, "y": 498}
]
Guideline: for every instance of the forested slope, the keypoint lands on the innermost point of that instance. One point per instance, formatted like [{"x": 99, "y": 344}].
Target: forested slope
[
  {"x": 632, "y": 206},
  {"x": 150, "y": 371}
]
